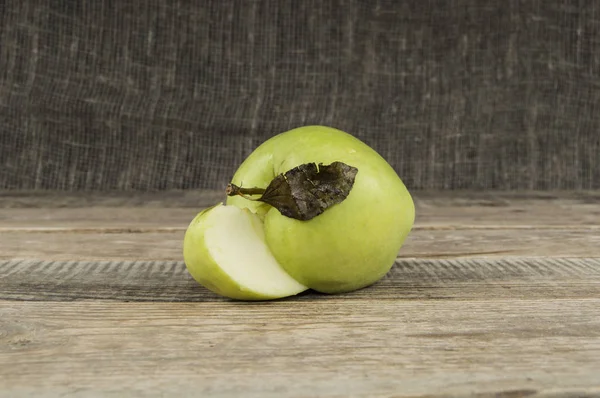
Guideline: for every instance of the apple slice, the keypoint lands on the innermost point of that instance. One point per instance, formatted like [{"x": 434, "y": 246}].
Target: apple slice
[{"x": 224, "y": 250}]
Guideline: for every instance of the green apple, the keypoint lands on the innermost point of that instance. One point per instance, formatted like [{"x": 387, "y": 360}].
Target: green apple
[{"x": 350, "y": 245}]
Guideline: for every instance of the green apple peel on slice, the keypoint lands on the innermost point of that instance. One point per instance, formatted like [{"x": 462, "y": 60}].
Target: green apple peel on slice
[{"x": 225, "y": 251}]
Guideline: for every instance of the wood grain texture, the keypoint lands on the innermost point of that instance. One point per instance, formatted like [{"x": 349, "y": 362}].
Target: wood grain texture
[
  {"x": 330, "y": 348},
  {"x": 418, "y": 279},
  {"x": 444, "y": 243},
  {"x": 528, "y": 327},
  {"x": 174, "y": 210},
  {"x": 492, "y": 296},
  {"x": 151, "y": 226}
]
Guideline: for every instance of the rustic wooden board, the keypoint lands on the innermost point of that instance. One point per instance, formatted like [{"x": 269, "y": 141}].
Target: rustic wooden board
[
  {"x": 168, "y": 212},
  {"x": 458, "y": 279},
  {"x": 444, "y": 243},
  {"x": 357, "y": 348},
  {"x": 150, "y": 227},
  {"x": 189, "y": 198},
  {"x": 527, "y": 327},
  {"x": 493, "y": 295}
]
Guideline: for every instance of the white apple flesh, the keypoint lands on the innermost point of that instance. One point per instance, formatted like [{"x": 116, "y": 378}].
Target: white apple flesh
[{"x": 225, "y": 251}]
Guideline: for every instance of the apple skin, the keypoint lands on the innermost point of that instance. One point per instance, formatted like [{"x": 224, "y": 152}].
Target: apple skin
[{"x": 352, "y": 244}]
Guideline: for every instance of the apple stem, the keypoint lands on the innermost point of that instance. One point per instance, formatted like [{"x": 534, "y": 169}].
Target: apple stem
[{"x": 233, "y": 190}]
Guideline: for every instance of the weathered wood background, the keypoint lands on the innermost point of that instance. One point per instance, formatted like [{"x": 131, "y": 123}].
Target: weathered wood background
[{"x": 492, "y": 295}]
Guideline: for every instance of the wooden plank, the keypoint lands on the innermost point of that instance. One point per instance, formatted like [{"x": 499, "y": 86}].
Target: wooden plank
[
  {"x": 83, "y": 199},
  {"x": 424, "y": 243},
  {"x": 329, "y": 348},
  {"x": 109, "y": 309},
  {"x": 191, "y": 198},
  {"x": 528, "y": 327},
  {"x": 414, "y": 279},
  {"x": 175, "y": 211},
  {"x": 163, "y": 219}
]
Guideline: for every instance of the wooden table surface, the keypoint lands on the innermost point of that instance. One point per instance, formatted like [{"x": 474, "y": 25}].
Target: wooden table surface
[{"x": 493, "y": 295}]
